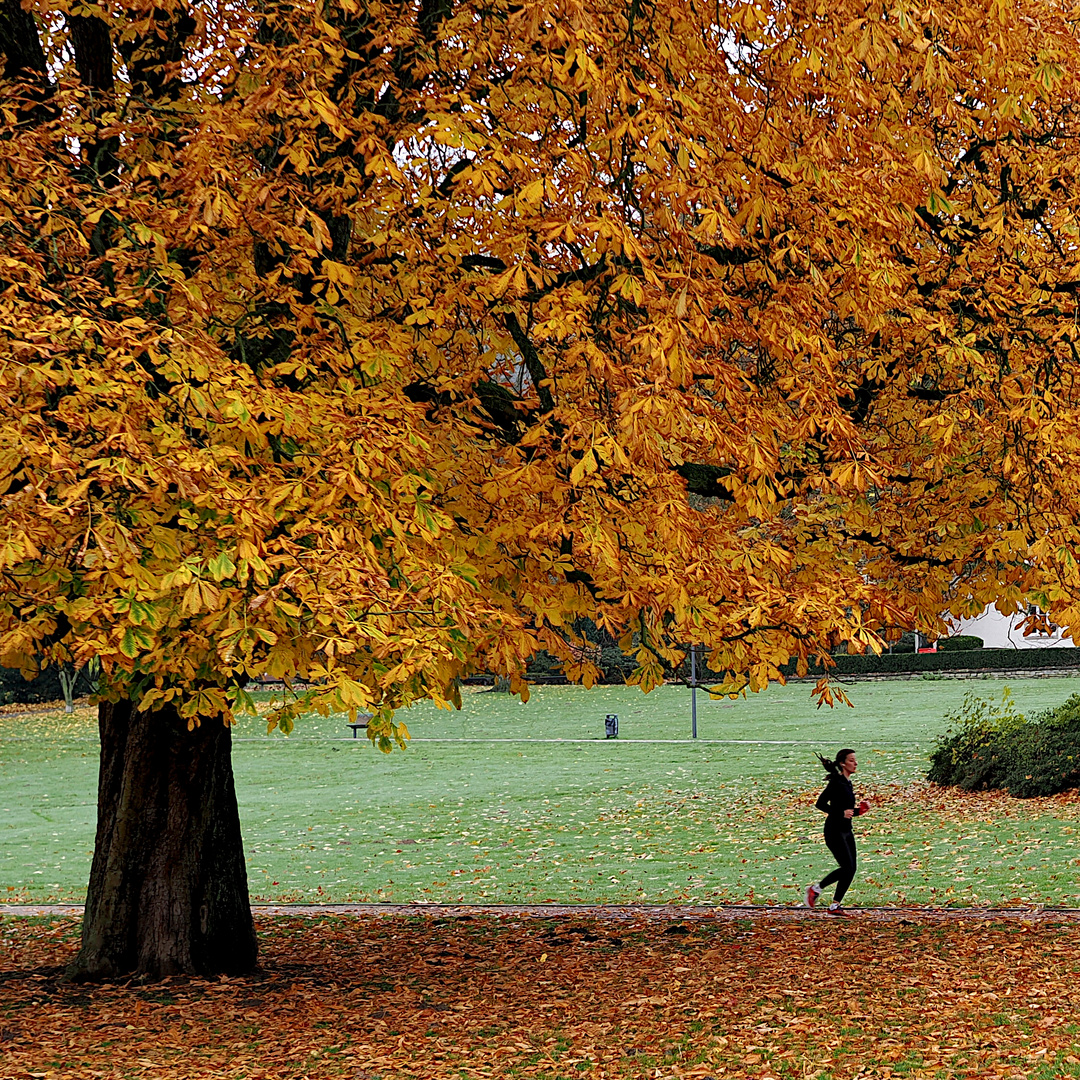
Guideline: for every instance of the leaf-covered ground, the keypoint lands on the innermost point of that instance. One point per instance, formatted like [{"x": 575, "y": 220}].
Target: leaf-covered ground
[{"x": 483, "y": 997}]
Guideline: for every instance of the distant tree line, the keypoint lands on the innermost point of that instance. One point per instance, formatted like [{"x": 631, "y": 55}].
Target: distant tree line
[{"x": 54, "y": 682}]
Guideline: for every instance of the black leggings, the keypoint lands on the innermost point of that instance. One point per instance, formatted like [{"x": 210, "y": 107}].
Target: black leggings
[{"x": 841, "y": 842}]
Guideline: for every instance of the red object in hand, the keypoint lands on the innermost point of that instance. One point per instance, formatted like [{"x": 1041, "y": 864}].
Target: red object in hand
[{"x": 863, "y": 806}]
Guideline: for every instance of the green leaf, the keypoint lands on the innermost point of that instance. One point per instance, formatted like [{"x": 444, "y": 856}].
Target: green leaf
[
  {"x": 241, "y": 701},
  {"x": 222, "y": 567},
  {"x": 134, "y": 641},
  {"x": 466, "y": 573}
]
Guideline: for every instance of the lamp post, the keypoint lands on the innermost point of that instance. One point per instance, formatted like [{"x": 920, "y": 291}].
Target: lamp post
[{"x": 693, "y": 691}]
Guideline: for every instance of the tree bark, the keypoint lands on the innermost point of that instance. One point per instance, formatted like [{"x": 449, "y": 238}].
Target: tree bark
[
  {"x": 168, "y": 888},
  {"x": 20, "y": 45}
]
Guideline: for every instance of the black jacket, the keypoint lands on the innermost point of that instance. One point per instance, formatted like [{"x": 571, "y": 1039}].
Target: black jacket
[{"x": 837, "y": 797}]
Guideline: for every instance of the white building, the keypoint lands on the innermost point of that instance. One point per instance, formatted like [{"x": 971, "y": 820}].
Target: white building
[{"x": 1006, "y": 632}]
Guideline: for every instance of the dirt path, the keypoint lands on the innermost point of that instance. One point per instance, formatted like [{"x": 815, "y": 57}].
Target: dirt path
[{"x": 617, "y": 913}]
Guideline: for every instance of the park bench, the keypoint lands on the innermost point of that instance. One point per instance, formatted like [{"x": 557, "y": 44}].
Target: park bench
[{"x": 361, "y": 722}]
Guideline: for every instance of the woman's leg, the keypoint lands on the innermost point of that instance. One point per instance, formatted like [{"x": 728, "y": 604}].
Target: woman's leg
[{"x": 842, "y": 845}]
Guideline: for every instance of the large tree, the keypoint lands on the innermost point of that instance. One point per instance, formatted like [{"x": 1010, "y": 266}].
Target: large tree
[{"x": 370, "y": 344}]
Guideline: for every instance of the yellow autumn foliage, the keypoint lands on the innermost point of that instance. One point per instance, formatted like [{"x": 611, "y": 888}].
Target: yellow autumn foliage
[{"x": 368, "y": 346}]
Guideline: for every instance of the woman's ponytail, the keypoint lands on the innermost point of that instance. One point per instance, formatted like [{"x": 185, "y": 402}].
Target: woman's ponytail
[
  {"x": 827, "y": 765},
  {"x": 833, "y": 767}
]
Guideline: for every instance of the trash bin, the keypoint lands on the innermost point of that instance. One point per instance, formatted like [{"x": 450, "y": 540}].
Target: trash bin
[{"x": 611, "y": 726}]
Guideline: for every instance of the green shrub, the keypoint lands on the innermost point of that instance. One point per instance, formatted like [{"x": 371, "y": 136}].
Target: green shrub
[
  {"x": 966, "y": 756},
  {"x": 1043, "y": 757},
  {"x": 1041, "y": 762},
  {"x": 990, "y": 745},
  {"x": 960, "y": 643}
]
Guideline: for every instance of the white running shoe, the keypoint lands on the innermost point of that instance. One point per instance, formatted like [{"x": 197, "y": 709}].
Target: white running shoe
[{"x": 812, "y": 893}]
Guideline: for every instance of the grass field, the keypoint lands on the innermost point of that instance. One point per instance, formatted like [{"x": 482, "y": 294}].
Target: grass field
[{"x": 511, "y": 802}]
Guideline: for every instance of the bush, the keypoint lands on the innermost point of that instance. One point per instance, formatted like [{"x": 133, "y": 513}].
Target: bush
[
  {"x": 967, "y": 757},
  {"x": 996, "y": 747},
  {"x": 960, "y": 643},
  {"x": 1043, "y": 756}
]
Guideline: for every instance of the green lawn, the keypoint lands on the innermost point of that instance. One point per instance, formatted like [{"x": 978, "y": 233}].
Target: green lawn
[{"x": 510, "y": 802}]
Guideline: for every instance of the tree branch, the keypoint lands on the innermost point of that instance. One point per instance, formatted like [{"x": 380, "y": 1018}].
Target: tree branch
[{"x": 533, "y": 364}]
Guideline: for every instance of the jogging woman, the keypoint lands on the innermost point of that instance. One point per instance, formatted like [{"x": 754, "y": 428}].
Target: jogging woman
[{"x": 837, "y": 802}]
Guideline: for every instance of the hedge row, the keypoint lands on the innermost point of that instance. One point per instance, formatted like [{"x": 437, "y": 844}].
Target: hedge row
[
  {"x": 965, "y": 660},
  {"x": 615, "y": 666},
  {"x": 909, "y": 642}
]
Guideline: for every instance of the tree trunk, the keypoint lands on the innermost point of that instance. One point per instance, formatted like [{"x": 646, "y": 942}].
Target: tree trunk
[
  {"x": 68, "y": 675},
  {"x": 168, "y": 888}
]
